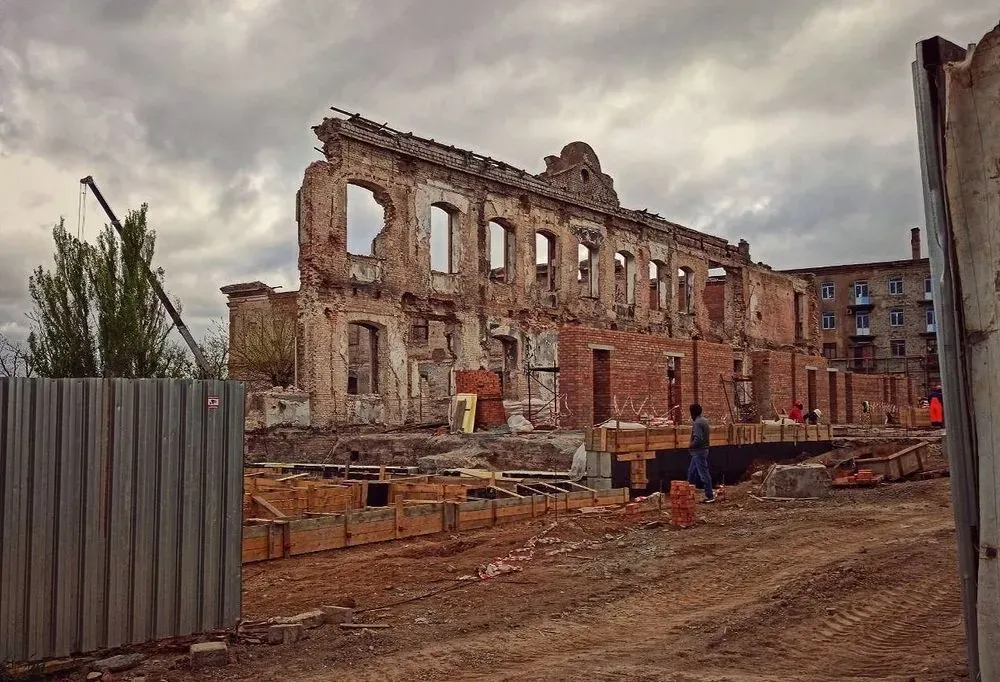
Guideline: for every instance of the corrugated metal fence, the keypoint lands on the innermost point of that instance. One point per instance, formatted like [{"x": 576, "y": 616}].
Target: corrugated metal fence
[{"x": 120, "y": 507}]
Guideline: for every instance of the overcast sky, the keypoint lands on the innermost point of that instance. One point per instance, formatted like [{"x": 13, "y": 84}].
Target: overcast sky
[{"x": 789, "y": 123}]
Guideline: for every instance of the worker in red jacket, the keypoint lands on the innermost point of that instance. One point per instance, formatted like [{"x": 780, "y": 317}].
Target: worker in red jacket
[{"x": 795, "y": 414}]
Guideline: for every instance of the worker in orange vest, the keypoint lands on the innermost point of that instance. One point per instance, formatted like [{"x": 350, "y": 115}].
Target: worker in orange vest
[{"x": 936, "y": 407}]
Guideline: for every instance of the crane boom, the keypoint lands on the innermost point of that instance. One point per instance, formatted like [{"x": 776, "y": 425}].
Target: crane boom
[{"x": 199, "y": 357}]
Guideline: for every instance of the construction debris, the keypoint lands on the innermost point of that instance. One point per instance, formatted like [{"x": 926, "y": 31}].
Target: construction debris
[{"x": 796, "y": 481}]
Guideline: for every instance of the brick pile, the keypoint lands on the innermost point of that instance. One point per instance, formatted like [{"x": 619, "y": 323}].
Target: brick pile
[
  {"x": 682, "y": 501},
  {"x": 486, "y": 385}
]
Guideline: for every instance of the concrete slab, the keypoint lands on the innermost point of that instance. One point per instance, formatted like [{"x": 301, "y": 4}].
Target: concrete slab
[{"x": 797, "y": 480}]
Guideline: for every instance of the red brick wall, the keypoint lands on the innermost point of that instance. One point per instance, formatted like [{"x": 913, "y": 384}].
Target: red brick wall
[
  {"x": 713, "y": 362},
  {"x": 835, "y": 391},
  {"x": 486, "y": 385},
  {"x": 638, "y": 372},
  {"x": 638, "y": 378},
  {"x": 773, "y": 387},
  {"x": 714, "y": 298}
]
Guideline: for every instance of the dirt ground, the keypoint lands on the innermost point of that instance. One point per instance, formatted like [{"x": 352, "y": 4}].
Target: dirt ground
[{"x": 860, "y": 586}]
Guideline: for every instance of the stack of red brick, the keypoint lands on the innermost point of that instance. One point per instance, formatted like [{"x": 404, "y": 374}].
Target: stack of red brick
[
  {"x": 682, "y": 503},
  {"x": 864, "y": 477},
  {"x": 486, "y": 385}
]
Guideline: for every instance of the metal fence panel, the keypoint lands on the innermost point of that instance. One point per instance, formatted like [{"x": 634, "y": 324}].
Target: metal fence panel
[{"x": 120, "y": 512}]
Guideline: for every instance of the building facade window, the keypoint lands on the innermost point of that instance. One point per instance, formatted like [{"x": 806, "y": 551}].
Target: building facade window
[
  {"x": 896, "y": 318},
  {"x": 930, "y": 316},
  {"x": 861, "y": 289},
  {"x": 863, "y": 322},
  {"x": 898, "y": 348},
  {"x": 927, "y": 288},
  {"x": 826, "y": 291},
  {"x": 896, "y": 286},
  {"x": 829, "y": 351},
  {"x": 829, "y": 321}
]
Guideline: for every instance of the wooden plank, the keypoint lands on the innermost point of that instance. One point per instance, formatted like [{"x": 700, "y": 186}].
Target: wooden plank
[
  {"x": 634, "y": 456},
  {"x": 270, "y": 508}
]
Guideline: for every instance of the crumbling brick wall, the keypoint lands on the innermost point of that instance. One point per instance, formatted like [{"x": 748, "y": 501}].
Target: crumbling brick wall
[{"x": 427, "y": 324}]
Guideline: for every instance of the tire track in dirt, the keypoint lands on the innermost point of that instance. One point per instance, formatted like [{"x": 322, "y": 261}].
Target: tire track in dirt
[{"x": 622, "y": 636}]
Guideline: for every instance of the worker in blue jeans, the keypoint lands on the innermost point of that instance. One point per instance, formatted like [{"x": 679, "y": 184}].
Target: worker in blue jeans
[{"x": 698, "y": 474}]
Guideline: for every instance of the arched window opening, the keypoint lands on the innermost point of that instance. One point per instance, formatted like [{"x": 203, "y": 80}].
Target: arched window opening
[
  {"x": 545, "y": 261},
  {"x": 444, "y": 238},
  {"x": 625, "y": 277},
  {"x": 587, "y": 272},
  {"x": 501, "y": 252},
  {"x": 362, "y": 359},
  {"x": 658, "y": 285},
  {"x": 365, "y": 220},
  {"x": 685, "y": 290}
]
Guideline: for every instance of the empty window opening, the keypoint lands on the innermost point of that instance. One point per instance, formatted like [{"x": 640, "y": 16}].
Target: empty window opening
[
  {"x": 811, "y": 389},
  {"x": 830, "y": 351},
  {"x": 365, "y": 220},
  {"x": 800, "y": 315},
  {"x": 501, "y": 252},
  {"x": 658, "y": 285},
  {"x": 715, "y": 295},
  {"x": 587, "y": 271},
  {"x": 545, "y": 261},
  {"x": 674, "y": 399},
  {"x": 419, "y": 332},
  {"x": 602, "y": 385},
  {"x": 898, "y": 348},
  {"x": 625, "y": 276},
  {"x": 444, "y": 231},
  {"x": 584, "y": 174},
  {"x": 685, "y": 290},
  {"x": 362, "y": 359}
]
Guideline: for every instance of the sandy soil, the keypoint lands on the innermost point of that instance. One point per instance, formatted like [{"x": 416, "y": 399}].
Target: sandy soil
[{"x": 861, "y": 586}]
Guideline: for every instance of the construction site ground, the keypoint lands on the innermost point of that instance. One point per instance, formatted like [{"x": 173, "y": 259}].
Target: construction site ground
[{"x": 862, "y": 585}]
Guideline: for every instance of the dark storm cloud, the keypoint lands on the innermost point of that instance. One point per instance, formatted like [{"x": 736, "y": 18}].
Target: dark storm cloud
[{"x": 203, "y": 109}]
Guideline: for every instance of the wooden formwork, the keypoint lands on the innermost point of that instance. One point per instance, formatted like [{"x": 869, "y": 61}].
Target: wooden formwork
[
  {"x": 622, "y": 441},
  {"x": 898, "y": 465},
  {"x": 265, "y": 539},
  {"x": 915, "y": 417},
  {"x": 268, "y": 496}
]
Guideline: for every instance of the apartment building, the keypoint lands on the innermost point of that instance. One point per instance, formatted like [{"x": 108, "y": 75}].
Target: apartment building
[{"x": 879, "y": 317}]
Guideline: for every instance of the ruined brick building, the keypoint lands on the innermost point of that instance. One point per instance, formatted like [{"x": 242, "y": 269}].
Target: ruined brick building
[{"x": 545, "y": 279}]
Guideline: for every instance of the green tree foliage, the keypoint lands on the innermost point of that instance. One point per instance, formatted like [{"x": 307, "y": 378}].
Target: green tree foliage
[
  {"x": 95, "y": 314},
  {"x": 61, "y": 343}
]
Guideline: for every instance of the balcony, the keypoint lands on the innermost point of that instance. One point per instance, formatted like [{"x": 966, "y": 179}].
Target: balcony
[
  {"x": 931, "y": 328},
  {"x": 861, "y": 303},
  {"x": 928, "y": 296},
  {"x": 862, "y": 334}
]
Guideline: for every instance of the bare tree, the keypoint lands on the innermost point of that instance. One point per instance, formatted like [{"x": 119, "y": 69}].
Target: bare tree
[
  {"x": 15, "y": 359},
  {"x": 262, "y": 347},
  {"x": 215, "y": 348}
]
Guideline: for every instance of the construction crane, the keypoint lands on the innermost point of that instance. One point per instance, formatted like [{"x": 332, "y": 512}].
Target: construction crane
[{"x": 133, "y": 250}]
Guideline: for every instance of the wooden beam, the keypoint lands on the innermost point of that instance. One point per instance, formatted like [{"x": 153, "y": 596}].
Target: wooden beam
[
  {"x": 292, "y": 477},
  {"x": 268, "y": 506},
  {"x": 507, "y": 492}
]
